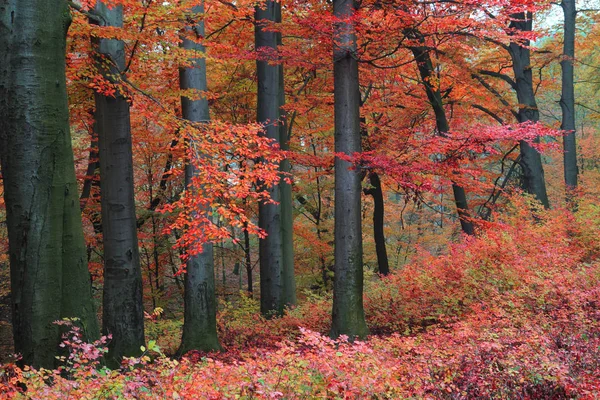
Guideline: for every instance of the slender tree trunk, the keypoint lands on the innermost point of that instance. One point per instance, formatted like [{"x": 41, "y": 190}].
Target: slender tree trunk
[
  {"x": 123, "y": 316},
  {"x": 348, "y": 317},
  {"x": 567, "y": 99},
  {"x": 531, "y": 159},
  {"x": 49, "y": 275},
  {"x": 434, "y": 96},
  {"x": 248, "y": 259},
  {"x": 378, "y": 223},
  {"x": 268, "y": 113},
  {"x": 200, "y": 314}
]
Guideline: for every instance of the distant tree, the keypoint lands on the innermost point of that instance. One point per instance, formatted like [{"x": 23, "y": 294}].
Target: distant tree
[
  {"x": 48, "y": 261},
  {"x": 375, "y": 191}
]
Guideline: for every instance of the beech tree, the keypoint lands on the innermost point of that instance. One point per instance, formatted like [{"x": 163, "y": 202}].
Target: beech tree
[
  {"x": 425, "y": 66},
  {"x": 286, "y": 201},
  {"x": 375, "y": 190},
  {"x": 48, "y": 262},
  {"x": 123, "y": 312},
  {"x": 348, "y": 317},
  {"x": 531, "y": 159},
  {"x": 567, "y": 98},
  {"x": 277, "y": 287},
  {"x": 200, "y": 305}
]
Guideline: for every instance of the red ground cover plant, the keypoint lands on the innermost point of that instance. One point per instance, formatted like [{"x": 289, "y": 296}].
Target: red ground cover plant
[{"x": 511, "y": 313}]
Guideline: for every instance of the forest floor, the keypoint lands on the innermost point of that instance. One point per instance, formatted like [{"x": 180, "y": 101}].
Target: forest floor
[{"x": 511, "y": 313}]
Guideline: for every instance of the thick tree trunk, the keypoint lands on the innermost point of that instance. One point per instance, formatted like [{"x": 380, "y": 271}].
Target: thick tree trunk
[
  {"x": 49, "y": 275},
  {"x": 531, "y": 159},
  {"x": 434, "y": 96},
  {"x": 287, "y": 214},
  {"x": 567, "y": 98},
  {"x": 200, "y": 313},
  {"x": 348, "y": 317},
  {"x": 123, "y": 315},
  {"x": 269, "y": 113},
  {"x": 378, "y": 223}
]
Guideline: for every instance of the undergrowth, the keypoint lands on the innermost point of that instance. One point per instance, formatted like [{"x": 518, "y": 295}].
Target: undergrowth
[{"x": 511, "y": 313}]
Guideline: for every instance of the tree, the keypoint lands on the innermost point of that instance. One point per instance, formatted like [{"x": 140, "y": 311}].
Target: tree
[
  {"x": 275, "y": 252},
  {"x": 531, "y": 160},
  {"x": 348, "y": 313},
  {"x": 49, "y": 275},
  {"x": 376, "y": 192},
  {"x": 123, "y": 312},
  {"x": 567, "y": 98},
  {"x": 286, "y": 202},
  {"x": 200, "y": 305},
  {"x": 425, "y": 66}
]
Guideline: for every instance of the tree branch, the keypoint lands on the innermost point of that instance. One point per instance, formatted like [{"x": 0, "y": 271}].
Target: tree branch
[{"x": 500, "y": 75}]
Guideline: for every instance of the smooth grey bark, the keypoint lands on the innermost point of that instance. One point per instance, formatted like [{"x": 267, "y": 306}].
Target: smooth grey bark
[
  {"x": 348, "y": 316},
  {"x": 425, "y": 66},
  {"x": 286, "y": 205},
  {"x": 123, "y": 311},
  {"x": 200, "y": 304},
  {"x": 531, "y": 159},
  {"x": 567, "y": 98},
  {"x": 49, "y": 275},
  {"x": 383, "y": 266},
  {"x": 276, "y": 270}
]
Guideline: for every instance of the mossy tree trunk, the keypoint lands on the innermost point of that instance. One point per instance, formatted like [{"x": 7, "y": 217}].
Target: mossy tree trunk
[
  {"x": 49, "y": 275},
  {"x": 277, "y": 284},
  {"x": 287, "y": 210}
]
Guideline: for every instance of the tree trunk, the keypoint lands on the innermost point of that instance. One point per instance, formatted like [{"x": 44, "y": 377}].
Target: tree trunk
[
  {"x": 248, "y": 260},
  {"x": 287, "y": 214},
  {"x": 268, "y": 113},
  {"x": 49, "y": 275},
  {"x": 90, "y": 175},
  {"x": 348, "y": 317},
  {"x": 531, "y": 159},
  {"x": 567, "y": 98},
  {"x": 434, "y": 96},
  {"x": 123, "y": 315},
  {"x": 200, "y": 314},
  {"x": 378, "y": 223}
]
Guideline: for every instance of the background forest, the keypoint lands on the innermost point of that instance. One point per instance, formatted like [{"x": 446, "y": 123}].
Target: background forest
[{"x": 299, "y": 199}]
